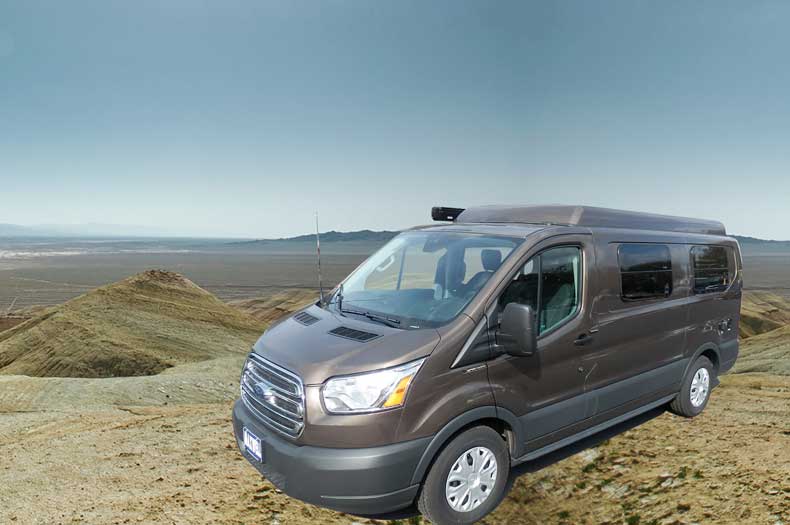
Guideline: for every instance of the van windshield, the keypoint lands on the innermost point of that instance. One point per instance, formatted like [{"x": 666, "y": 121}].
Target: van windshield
[{"x": 422, "y": 279}]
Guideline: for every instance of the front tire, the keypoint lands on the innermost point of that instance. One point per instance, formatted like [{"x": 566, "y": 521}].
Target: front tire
[
  {"x": 695, "y": 390},
  {"x": 467, "y": 480}
]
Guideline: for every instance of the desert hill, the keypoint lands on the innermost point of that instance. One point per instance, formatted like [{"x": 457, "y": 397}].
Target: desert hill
[
  {"x": 768, "y": 352},
  {"x": 139, "y": 326},
  {"x": 269, "y": 308},
  {"x": 763, "y": 312},
  {"x": 765, "y": 334}
]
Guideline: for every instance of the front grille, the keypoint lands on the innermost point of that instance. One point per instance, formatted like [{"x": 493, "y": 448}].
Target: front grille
[{"x": 273, "y": 394}]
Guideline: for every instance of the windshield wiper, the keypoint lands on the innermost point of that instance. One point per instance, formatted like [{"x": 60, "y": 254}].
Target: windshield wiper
[{"x": 389, "y": 321}]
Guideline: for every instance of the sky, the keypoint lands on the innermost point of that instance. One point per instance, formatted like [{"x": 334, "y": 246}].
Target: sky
[{"x": 244, "y": 118}]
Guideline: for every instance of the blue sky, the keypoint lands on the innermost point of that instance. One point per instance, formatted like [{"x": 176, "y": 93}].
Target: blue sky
[{"x": 242, "y": 118}]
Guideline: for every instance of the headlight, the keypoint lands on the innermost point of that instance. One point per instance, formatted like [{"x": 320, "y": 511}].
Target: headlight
[{"x": 369, "y": 392}]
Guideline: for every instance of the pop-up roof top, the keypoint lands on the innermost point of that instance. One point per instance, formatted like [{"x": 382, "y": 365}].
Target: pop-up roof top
[{"x": 581, "y": 216}]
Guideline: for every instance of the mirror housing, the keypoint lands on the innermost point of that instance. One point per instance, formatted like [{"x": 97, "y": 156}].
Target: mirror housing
[{"x": 518, "y": 330}]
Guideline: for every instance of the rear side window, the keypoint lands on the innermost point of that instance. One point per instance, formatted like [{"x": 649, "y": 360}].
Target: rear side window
[
  {"x": 645, "y": 271},
  {"x": 713, "y": 268}
]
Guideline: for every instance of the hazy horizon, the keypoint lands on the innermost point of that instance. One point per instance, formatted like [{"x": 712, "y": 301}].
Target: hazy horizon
[
  {"x": 242, "y": 119},
  {"x": 73, "y": 231}
]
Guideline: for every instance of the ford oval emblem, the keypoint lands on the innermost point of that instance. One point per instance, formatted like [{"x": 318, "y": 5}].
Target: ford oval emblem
[{"x": 264, "y": 391}]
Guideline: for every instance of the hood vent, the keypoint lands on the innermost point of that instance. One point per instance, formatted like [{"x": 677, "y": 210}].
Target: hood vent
[
  {"x": 305, "y": 318},
  {"x": 356, "y": 335}
]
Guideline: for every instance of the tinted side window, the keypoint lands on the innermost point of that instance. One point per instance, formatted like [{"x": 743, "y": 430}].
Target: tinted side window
[
  {"x": 645, "y": 271},
  {"x": 713, "y": 268}
]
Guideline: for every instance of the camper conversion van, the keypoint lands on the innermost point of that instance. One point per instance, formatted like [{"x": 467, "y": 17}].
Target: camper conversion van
[{"x": 497, "y": 336}]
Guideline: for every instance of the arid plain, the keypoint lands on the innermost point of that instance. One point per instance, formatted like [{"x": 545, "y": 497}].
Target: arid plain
[{"x": 115, "y": 406}]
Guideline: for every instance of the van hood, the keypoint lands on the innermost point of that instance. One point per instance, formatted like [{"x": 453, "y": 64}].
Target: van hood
[{"x": 308, "y": 349}]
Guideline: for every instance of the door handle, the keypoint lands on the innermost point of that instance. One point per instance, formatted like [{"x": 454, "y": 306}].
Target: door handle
[{"x": 583, "y": 339}]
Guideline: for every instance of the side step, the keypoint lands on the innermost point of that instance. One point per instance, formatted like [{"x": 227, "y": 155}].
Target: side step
[{"x": 590, "y": 431}]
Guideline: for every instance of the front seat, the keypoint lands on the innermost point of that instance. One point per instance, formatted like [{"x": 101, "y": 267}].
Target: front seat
[
  {"x": 491, "y": 260},
  {"x": 559, "y": 306},
  {"x": 447, "y": 279}
]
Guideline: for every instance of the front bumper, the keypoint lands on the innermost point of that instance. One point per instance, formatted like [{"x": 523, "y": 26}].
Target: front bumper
[{"x": 364, "y": 481}]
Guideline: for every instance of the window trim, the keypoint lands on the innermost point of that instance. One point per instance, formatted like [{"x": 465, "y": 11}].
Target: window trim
[
  {"x": 620, "y": 273},
  {"x": 581, "y": 289},
  {"x": 730, "y": 259}
]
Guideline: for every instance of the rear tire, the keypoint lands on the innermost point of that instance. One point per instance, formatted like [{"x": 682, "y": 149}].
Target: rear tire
[
  {"x": 695, "y": 390},
  {"x": 479, "y": 463}
]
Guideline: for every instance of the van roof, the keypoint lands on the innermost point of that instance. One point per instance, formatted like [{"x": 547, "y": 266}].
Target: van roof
[
  {"x": 587, "y": 216},
  {"x": 498, "y": 229}
]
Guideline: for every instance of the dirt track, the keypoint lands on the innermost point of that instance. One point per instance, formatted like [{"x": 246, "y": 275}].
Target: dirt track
[{"x": 178, "y": 464}]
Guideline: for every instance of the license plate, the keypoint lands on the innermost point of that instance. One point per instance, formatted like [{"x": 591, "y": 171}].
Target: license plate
[{"x": 252, "y": 444}]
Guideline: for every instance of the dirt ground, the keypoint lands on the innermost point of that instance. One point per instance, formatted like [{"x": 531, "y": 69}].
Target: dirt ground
[{"x": 177, "y": 463}]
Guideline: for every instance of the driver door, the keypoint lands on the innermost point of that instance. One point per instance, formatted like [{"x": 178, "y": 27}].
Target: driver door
[{"x": 546, "y": 390}]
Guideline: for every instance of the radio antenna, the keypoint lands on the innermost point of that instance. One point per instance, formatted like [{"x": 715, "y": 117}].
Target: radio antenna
[
  {"x": 10, "y": 308},
  {"x": 318, "y": 256}
]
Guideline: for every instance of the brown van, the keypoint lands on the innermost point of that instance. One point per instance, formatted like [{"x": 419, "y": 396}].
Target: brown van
[{"x": 459, "y": 350}]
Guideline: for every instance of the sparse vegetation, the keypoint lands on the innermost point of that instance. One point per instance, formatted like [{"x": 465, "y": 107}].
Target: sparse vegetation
[{"x": 589, "y": 467}]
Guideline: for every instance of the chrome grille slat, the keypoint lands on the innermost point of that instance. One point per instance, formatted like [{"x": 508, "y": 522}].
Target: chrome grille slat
[
  {"x": 282, "y": 408},
  {"x": 284, "y": 393},
  {"x": 274, "y": 408},
  {"x": 292, "y": 405},
  {"x": 250, "y": 402}
]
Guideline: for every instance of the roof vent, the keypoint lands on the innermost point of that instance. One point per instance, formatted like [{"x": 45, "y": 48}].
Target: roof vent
[
  {"x": 356, "y": 335},
  {"x": 305, "y": 318}
]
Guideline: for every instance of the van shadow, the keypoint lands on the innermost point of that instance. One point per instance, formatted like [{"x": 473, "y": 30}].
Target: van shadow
[{"x": 542, "y": 462}]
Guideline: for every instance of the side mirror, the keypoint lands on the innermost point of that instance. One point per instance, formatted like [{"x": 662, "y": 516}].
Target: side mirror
[{"x": 518, "y": 330}]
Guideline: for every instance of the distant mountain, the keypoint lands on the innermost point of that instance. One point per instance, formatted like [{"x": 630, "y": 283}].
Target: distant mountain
[
  {"x": 328, "y": 237},
  {"x": 100, "y": 230},
  {"x": 13, "y": 230},
  {"x": 754, "y": 246},
  {"x": 80, "y": 230},
  {"x": 384, "y": 236},
  {"x": 754, "y": 240}
]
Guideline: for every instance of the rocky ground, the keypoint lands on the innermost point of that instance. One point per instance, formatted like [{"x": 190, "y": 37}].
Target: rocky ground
[
  {"x": 177, "y": 463},
  {"x": 159, "y": 449}
]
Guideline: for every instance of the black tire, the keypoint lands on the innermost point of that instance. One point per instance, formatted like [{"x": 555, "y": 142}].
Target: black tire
[
  {"x": 682, "y": 405},
  {"x": 433, "y": 502}
]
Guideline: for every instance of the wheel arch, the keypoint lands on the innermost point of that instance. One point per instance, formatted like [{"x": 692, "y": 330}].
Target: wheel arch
[
  {"x": 709, "y": 350},
  {"x": 503, "y": 421}
]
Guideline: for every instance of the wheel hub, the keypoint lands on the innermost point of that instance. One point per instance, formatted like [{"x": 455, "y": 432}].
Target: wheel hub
[
  {"x": 700, "y": 386},
  {"x": 471, "y": 479}
]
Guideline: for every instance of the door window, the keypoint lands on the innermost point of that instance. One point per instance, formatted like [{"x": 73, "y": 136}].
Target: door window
[
  {"x": 550, "y": 283},
  {"x": 559, "y": 286}
]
